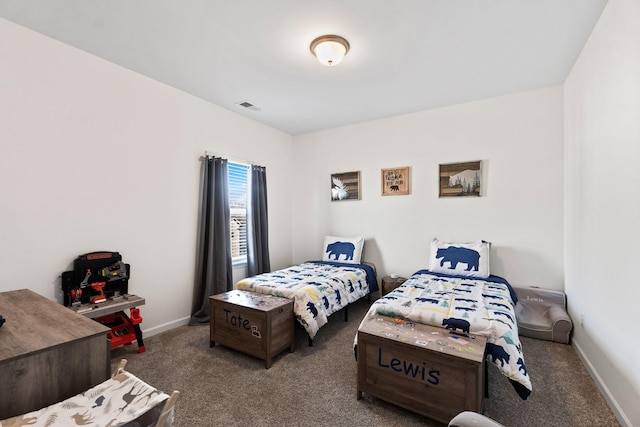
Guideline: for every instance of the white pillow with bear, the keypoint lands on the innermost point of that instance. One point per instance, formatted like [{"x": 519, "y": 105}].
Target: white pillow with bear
[
  {"x": 343, "y": 249},
  {"x": 465, "y": 259}
]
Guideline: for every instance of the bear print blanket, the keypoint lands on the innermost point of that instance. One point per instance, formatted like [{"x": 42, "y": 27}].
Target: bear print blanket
[
  {"x": 463, "y": 304},
  {"x": 318, "y": 289},
  {"x": 123, "y": 399}
]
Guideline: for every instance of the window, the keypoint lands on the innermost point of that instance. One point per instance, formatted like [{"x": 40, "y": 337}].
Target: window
[{"x": 238, "y": 185}]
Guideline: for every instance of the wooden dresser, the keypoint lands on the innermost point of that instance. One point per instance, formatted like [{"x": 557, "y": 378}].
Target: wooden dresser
[{"x": 48, "y": 353}]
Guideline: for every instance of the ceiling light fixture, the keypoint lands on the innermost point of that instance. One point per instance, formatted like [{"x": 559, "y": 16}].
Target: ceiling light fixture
[{"x": 329, "y": 49}]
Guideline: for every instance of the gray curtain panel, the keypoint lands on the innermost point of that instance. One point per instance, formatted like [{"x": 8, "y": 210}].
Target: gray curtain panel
[
  {"x": 213, "y": 258},
  {"x": 258, "y": 224}
]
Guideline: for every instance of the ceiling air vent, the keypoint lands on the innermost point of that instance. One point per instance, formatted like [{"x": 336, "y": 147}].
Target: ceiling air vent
[{"x": 247, "y": 104}]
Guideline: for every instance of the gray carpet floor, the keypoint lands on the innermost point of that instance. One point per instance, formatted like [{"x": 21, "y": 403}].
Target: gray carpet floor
[{"x": 316, "y": 386}]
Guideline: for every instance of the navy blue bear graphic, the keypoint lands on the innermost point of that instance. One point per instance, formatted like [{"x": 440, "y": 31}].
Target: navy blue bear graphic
[
  {"x": 497, "y": 352},
  {"x": 454, "y": 254},
  {"x": 339, "y": 297},
  {"x": 312, "y": 309},
  {"x": 499, "y": 305},
  {"x": 325, "y": 300},
  {"x": 489, "y": 296},
  {"x": 453, "y": 323},
  {"x": 431, "y": 300},
  {"x": 522, "y": 367},
  {"x": 341, "y": 248},
  {"x": 503, "y": 314}
]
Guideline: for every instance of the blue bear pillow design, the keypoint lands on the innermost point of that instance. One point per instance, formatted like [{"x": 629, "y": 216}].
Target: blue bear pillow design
[
  {"x": 343, "y": 249},
  {"x": 466, "y": 259}
]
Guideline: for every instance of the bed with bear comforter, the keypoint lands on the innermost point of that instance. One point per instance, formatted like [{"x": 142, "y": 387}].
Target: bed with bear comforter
[
  {"x": 481, "y": 306},
  {"x": 318, "y": 288}
]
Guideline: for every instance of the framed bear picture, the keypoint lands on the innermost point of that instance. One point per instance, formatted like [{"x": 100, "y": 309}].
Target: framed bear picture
[
  {"x": 460, "y": 179},
  {"x": 395, "y": 181}
]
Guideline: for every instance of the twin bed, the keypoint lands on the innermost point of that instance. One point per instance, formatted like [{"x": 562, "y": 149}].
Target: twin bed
[
  {"x": 468, "y": 306},
  {"x": 458, "y": 293},
  {"x": 320, "y": 288}
]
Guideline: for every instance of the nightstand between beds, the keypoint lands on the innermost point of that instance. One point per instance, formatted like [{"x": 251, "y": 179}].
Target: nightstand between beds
[{"x": 389, "y": 283}]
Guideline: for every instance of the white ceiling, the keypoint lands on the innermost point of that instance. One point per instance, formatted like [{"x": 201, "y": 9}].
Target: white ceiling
[{"x": 405, "y": 56}]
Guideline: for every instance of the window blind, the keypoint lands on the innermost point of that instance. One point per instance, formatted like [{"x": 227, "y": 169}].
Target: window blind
[{"x": 238, "y": 185}]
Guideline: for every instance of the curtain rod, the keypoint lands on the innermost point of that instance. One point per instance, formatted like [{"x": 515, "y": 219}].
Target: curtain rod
[{"x": 232, "y": 159}]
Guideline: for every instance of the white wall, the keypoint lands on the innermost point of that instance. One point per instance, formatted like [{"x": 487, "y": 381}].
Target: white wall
[
  {"x": 96, "y": 157},
  {"x": 602, "y": 123},
  {"x": 519, "y": 139}
]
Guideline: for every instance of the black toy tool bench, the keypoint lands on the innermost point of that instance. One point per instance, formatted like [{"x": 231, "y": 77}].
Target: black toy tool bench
[{"x": 98, "y": 288}]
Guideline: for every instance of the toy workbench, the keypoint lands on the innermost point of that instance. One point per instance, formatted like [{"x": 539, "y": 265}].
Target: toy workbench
[{"x": 98, "y": 288}]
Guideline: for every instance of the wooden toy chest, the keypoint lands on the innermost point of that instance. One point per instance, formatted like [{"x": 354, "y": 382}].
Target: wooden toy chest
[
  {"x": 422, "y": 368},
  {"x": 256, "y": 324}
]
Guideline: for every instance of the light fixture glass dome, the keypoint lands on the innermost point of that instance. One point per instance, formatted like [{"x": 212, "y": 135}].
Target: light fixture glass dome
[{"x": 329, "y": 49}]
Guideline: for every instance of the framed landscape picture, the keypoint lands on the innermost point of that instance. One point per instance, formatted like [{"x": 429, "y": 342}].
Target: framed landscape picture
[
  {"x": 460, "y": 179},
  {"x": 395, "y": 181},
  {"x": 345, "y": 186}
]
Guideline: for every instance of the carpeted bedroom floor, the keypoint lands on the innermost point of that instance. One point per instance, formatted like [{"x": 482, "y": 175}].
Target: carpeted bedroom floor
[{"x": 316, "y": 386}]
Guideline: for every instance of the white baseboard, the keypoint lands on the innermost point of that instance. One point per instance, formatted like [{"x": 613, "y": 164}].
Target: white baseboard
[
  {"x": 604, "y": 390},
  {"x": 165, "y": 327}
]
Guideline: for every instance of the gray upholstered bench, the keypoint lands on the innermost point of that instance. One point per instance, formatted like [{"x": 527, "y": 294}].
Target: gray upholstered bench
[{"x": 542, "y": 314}]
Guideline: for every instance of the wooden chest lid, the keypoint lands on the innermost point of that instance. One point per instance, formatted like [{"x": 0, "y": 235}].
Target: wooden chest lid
[
  {"x": 432, "y": 338},
  {"x": 252, "y": 300}
]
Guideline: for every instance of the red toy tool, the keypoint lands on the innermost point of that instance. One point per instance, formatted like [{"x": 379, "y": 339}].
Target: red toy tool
[{"x": 98, "y": 288}]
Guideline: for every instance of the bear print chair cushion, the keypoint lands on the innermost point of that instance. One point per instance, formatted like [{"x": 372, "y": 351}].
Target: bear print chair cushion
[
  {"x": 343, "y": 249},
  {"x": 465, "y": 259}
]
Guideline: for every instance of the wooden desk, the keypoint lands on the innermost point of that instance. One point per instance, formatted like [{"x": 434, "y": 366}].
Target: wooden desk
[{"x": 48, "y": 353}]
